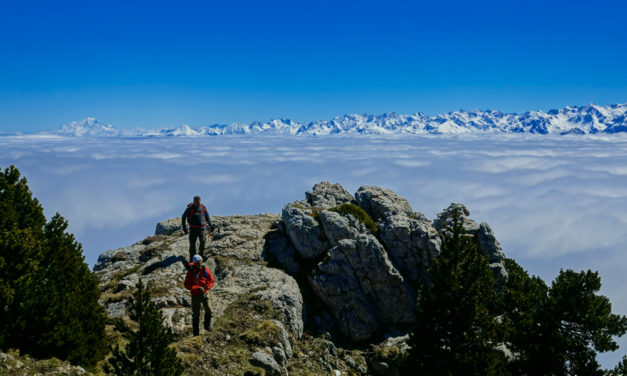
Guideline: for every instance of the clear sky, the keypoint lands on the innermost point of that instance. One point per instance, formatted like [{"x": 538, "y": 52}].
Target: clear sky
[{"x": 155, "y": 64}]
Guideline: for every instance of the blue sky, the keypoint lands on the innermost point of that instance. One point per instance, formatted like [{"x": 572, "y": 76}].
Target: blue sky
[{"x": 159, "y": 64}]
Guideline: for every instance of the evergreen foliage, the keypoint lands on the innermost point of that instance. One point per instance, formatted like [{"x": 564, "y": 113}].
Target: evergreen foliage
[
  {"x": 48, "y": 296},
  {"x": 456, "y": 332},
  {"x": 550, "y": 330},
  {"x": 148, "y": 351},
  {"x": 558, "y": 330}
]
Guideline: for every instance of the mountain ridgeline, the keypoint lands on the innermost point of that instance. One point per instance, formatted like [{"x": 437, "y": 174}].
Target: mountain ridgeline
[{"x": 590, "y": 119}]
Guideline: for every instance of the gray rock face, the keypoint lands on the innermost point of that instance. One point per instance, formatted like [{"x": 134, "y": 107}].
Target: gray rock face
[
  {"x": 284, "y": 341},
  {"x": 304, "y": 232},
  {"x": 326, "y": 195},
  {"x": 408, "y": 236},
  {"x": 382, "y": 202},
  {"x": 488, "y": 245},
  {"x": 279, "y": 250},
  {"x": 412, "y": 245},
  {"x": 168, "y": 227},
  {"x": 445, "y": 219},
  {"x": 338, "y": 227},
  {"x": 363, "y": 289},
  {"x": 491, "y": 248},
  {"x": 266, "y": 361},
  {"x": 269, "y": 283},
  {"x": 365, "y": 284}
]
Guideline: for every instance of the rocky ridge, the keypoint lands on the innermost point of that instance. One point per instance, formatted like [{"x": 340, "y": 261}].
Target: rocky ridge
[{"x": 328, "y": 285}]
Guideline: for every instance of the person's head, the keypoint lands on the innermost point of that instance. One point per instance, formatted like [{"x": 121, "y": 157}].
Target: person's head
[
  {"x": 197, "y": 261},
  {"x": 196, "y": 200}
]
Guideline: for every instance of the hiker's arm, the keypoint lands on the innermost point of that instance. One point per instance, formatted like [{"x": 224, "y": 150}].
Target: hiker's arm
[
  {"x": 208, "y": 221},
  {"x": 210, "y": 280},
  {"x": 188, "y": 281},
  {"x": 184, "y": 219}
]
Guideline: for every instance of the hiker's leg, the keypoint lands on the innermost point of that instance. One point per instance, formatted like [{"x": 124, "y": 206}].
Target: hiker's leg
[
  {"x": 202, "y": 236},
  {"x": 192, "y": 243},
  {"x": 196, "y": 301},
  {"x": 208, "y": 313}
]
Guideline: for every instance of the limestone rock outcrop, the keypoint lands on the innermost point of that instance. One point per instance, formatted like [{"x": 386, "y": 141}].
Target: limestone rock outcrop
[
  {"x": 327, "y": 195},
  {"x": 365, "y": 278},
  {"x": 363, "y": 291},
  {"x": 343, "y": 267},
  {"x": 304, "y": 232},
  {"x": 235, "y": 258}
]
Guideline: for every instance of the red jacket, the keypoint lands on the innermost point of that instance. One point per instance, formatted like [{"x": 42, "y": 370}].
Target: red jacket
[{"x": 196, "y": 279}]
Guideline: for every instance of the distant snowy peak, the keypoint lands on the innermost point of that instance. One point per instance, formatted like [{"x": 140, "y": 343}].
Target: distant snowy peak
[
  {"x": 591, "y": 119},
  {"x": 87, "y": 127}
]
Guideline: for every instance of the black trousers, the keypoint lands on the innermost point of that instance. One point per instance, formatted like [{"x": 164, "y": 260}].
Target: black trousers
[
  {"x": 201, "y": 235},
  {"x": 197, "y": 300}
]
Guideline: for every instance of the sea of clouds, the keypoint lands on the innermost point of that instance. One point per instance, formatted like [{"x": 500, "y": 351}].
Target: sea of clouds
[{"x": 553, "y": 201}]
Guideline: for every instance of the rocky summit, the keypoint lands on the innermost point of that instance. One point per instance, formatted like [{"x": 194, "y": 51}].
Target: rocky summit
[{"x": 327, "y": 286}]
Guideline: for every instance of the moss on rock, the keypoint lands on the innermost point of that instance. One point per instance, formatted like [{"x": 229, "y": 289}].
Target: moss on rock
[{"x": 359, "y": 213}]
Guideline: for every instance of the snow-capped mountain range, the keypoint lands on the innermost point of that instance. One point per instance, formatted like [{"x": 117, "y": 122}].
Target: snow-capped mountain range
[{"x": 591, "y": 119}]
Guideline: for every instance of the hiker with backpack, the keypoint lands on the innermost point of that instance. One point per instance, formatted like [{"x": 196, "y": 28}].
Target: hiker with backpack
[
  {"x": 199, "y": 281},
  {"x": 198, "y": 217}
]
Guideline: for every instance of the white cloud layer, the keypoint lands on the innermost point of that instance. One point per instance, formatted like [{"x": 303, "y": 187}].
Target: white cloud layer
[{"x": 554, "y": 202}]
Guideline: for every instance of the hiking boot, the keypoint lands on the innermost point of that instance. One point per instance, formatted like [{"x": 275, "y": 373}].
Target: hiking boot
[{"x": 207, "y": 321}]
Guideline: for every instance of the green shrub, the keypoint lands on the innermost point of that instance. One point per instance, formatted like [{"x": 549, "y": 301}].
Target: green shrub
[
  {"x": 148, "y": 351},
  {"x": 358, "y": 213}
]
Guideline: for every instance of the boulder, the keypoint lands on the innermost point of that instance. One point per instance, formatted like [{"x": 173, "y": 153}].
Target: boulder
[
  {"x": 444, "y": 219},
  {"x": 338, "y": 227},
  {"x": 326, "y": 195},
  {"x": 284, "y": 340},
  {"x": 241, "y": 236},
  {"x": 234, "y": 279},
  {"x": 412, "y": 245},
  {"x": 168, "y": 227},
  {"x": 488, "y": 244},
  {"x": 363, "y": 291},
  {"x": 304, "y": 232},
  {"x": 381, "y": 202},
  {"x": 266, "y": 361}
]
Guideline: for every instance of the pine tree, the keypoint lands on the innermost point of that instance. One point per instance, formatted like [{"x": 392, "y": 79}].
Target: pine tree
[
  {"x": 48, "y": 296},
  {"x": 558, "y": 330},
  {"x": 21, "y": 226},
  {"x": 148, "y": 351},
  {"x": 456, "y": 332}
]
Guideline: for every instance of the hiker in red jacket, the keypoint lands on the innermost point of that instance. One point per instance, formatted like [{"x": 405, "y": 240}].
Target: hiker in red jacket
[{"x": 199, "y": 281}]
